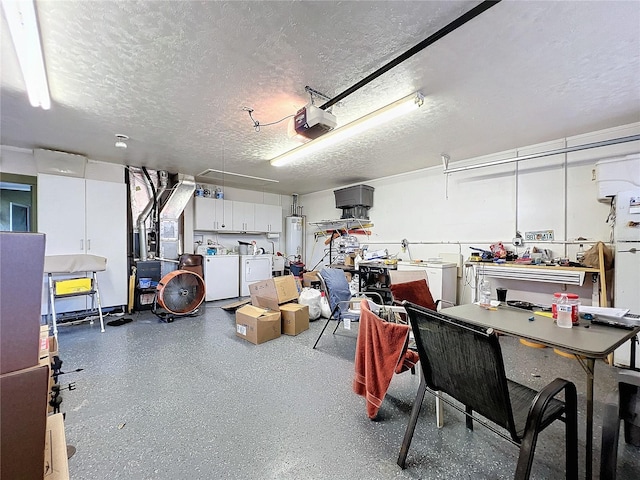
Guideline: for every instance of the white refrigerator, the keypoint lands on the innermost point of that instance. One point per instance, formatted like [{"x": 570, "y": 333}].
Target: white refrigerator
[{"x": 627, "y": 264}]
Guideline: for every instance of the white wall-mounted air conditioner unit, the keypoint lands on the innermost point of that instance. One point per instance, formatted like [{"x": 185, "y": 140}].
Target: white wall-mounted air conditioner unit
[{"x": 617, "y": 175}]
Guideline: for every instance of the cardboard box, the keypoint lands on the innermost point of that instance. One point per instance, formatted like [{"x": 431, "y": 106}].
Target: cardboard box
[
  {"x": 53, "y": 346},
  {"x": 349, "y": 260},
  {"x": 274, "y": 291},
  {"x": 23, "y": 417},
  {"x": 21, "y": 280},
  {"x": 257, "y": 325},
  {"x": 295, "y": 318},
  {"x": 56, "y": 464},
  {"x": 310, "y": 279}
]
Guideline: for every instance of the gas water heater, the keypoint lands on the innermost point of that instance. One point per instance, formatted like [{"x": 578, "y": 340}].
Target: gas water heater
[{"x": 294, "y": 237}]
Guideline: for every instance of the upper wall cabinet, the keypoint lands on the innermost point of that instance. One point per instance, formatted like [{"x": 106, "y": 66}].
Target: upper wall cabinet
[
  {"x": 215, "y": 215},
  {"x": 268, "y": 218},
  {"x": 244, "y": 217},
  {"x": 87, "y": 217},
  {"x": 212, "y": 214}
]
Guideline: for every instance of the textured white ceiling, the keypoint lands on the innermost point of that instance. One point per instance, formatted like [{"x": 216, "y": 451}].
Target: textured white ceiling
[{"x": 175, "y": 75}]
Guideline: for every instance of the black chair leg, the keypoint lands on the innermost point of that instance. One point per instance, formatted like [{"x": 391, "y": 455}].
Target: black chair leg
[
  {"x": 413, "y": 420},
  {"x": 336, "y": 329},
  {"x": 469, "y": 411},
  {"x": 534, "y": 420},
  {"x": 323, "y": 329},
  {"x": 571, "y": 431},
  {"x": 335, "y": 309},
  {"x": 610, "y": 433}
]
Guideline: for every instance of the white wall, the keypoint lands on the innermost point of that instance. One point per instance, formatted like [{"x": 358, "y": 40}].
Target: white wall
[
  {"x": 440, "y": 213},
  {"x": 21, "y": 161},
  {"x": 18, "y": 161}
]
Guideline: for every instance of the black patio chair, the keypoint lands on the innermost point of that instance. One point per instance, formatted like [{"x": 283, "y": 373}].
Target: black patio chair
[{"x": 465, "y": 362}]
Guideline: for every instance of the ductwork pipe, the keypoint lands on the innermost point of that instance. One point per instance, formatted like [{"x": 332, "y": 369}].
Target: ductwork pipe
[{"x": 142, "y": 228}]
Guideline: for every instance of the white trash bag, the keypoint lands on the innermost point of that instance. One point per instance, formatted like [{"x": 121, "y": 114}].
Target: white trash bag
[
  {"x": 324, "y": 306},
  {"x": 311, "y": 297}
]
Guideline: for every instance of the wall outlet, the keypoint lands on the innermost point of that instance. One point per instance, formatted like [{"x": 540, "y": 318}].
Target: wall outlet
[{"x": 517, "y": 241}]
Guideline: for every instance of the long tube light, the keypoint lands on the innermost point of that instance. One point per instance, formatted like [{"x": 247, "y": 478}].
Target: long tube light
[
  {"x": 373, "y": 119},
  {"x": 23, "y": 25}
]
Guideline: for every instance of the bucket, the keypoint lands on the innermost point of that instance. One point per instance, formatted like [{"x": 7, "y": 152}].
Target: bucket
[
  {"x": 243, "y": 248},
  {"x": 296, "y": 269}
]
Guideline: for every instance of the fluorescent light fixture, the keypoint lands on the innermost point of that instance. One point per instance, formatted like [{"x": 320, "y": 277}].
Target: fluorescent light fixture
[
  {"x": 23, "y": 25},
  {"x": 242, "y": 175},
  {"x": 373, "y": 119}
]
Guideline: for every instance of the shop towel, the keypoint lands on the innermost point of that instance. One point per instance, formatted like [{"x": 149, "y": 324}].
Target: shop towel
[{"x": 381, "y": 351}]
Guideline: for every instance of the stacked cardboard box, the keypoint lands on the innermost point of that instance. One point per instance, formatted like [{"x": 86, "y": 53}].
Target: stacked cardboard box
[
  {"x": 311, "y": 279},
  {"x": 271, "y": 312},
  {"x": 23, "y": 377}
]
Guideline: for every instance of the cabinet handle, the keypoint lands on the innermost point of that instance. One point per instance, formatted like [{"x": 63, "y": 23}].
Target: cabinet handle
[
  {"x": 81, "y": 244},
  {"x": 89, "y": 244}
]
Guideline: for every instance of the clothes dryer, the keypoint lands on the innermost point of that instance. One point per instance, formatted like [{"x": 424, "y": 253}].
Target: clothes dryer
[{"x": 253, "y": 268}]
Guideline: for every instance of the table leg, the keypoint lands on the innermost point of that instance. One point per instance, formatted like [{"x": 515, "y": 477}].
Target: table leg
[
  {"x": 589, "y": 439},
  {"x": 589, "y": 368},
  {"x": 52, "y": 306}
]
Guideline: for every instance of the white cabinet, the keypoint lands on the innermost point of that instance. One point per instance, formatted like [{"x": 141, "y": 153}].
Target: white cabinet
[
  {"x": 441, "y": 277},
  {"x": 243, "y": 217},
  {"x": 268, "y": 218},
  {"x": 214, "y": 215},
  {"x": 82, "y": 216},
  {"x": 221, "y": 276},
  {"x": 211, "y": 214}
]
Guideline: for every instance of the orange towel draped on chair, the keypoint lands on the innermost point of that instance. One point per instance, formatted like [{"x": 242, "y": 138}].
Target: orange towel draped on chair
[{"x": 381, "y": 351}]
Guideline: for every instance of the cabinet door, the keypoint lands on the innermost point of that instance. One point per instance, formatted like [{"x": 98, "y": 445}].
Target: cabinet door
[
  {"x": 61, "y": 213},
  {"x": 223, "y": 215},
  {"x": 275, "y": 218},
  {"x": 204, "y": 217},
  {"x": 243, "y": 216},
  {"x": 106, "y": 211},
  {"x": 268, "y": 218},
  {"x": 261, "y": 217}
]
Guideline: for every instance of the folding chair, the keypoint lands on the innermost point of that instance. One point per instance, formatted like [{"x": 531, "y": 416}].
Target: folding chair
[
  {"x": 413, "y": 287},
  {"x": 381, "y": 352},
  {"x": 344, "y": 306}
]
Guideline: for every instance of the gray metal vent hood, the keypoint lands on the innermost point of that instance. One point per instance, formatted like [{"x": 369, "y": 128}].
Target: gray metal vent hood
[{"x": 180, "y": 195}]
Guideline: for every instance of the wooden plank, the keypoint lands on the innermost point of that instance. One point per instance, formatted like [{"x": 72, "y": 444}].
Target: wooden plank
[{"x": 603, "y": 279}]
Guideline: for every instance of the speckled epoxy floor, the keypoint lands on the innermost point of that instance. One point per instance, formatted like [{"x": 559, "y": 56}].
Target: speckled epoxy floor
[{"x": 190, "y": 400}]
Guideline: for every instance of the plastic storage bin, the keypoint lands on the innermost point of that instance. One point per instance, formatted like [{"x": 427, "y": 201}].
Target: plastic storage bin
[
  {"x": 73, "y": 285},
  {"x": 358, "y": 195}
]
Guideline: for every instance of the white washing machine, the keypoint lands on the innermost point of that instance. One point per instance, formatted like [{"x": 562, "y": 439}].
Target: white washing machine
[{"x": 253, "y": 268}]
